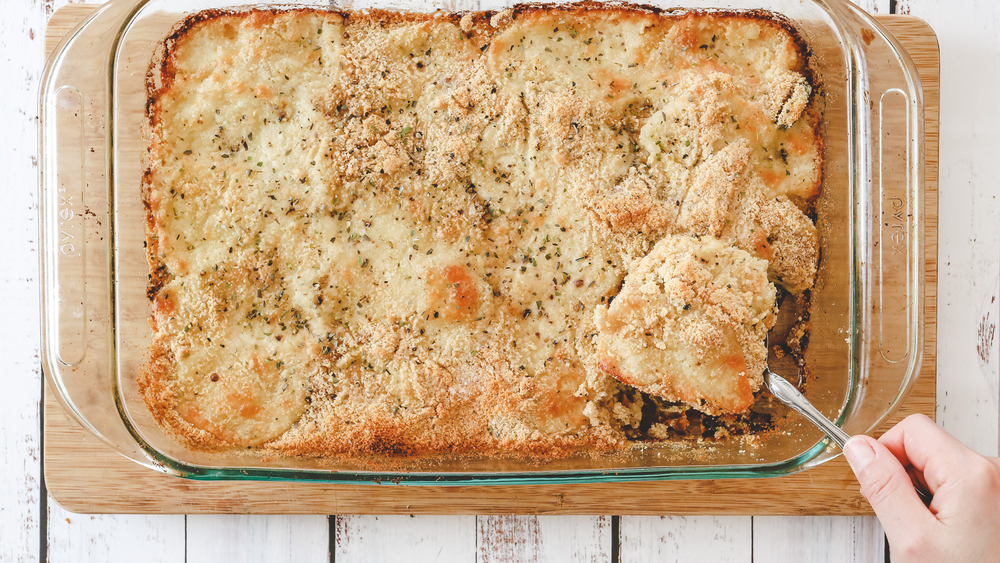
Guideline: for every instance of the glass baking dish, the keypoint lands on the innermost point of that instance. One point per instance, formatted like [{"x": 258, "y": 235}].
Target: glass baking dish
[{"x": 866, "y": 328}]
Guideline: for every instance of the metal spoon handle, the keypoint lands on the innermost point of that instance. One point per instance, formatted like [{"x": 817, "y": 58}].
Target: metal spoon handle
[{"x": 789, "y": 395}]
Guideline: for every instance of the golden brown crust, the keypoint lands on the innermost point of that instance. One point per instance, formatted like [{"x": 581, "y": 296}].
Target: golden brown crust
[{"x": 397, "y": 226}]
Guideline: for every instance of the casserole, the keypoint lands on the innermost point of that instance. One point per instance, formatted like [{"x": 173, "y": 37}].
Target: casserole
[{"x": 865, "y": 330}]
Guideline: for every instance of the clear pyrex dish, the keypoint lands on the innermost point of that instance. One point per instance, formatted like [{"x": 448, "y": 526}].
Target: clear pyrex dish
[{"x": 866, "y": 328}]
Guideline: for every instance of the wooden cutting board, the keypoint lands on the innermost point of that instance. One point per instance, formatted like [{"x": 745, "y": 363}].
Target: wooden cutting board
[{"x": 84, "y": 475}]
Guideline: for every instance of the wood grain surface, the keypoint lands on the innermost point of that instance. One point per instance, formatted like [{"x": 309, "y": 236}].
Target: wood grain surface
[{"x": 83, "y": 475}]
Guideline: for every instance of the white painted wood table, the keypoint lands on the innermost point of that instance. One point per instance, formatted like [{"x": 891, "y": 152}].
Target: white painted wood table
[{"x": 33, "y": 527}]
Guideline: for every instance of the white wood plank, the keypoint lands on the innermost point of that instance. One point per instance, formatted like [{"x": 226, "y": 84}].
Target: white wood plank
[
  {"x": 415, "y": 539},
  {"x": 988, "y": 343},
  {"x": 720, "y": 539},
  {"x": 263, "y": 539},
  {"x": 544, "y": 538},
  {"x": 902, "y": 7},
  {"x": 818, "y": 539},
  {"x": 21, "y": 504},
  {"x": 114, "y": 538},
  {"x": 969, "y": 213}
]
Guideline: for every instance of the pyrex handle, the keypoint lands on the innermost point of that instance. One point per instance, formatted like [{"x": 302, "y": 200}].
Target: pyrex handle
[
  {"x": 75, "y": 198},
  {"x": 64, "y": 223},
  {"x": 78, "y": 341},
  {"x": 892, "y": 95},
  {"x": 897, "y": 178},
  {"x": 889, "y": 186},
  {"x": 898, "y": 181}
]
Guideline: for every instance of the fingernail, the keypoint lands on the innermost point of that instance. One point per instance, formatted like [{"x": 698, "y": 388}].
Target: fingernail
[{"x": 859, "y": 453}]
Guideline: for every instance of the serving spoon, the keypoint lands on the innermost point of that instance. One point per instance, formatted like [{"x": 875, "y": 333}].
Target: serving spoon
[{"x": 788, "y": 394}]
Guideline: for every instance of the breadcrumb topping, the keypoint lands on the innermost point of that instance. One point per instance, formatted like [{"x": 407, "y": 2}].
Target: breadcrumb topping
[{"x": 375, "y": 232}]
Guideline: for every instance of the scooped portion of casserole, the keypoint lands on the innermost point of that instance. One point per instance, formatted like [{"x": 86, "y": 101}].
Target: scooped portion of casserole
[
  {"x": 690, "y": 324},
  {"x": 529, "y": 231}
]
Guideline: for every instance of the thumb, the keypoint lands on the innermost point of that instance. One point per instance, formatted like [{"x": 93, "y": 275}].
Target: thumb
[{"x": 887, "y": 486}]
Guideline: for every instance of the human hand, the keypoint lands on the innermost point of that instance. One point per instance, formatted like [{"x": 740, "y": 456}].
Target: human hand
[{"x": 962, "y": 522}]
